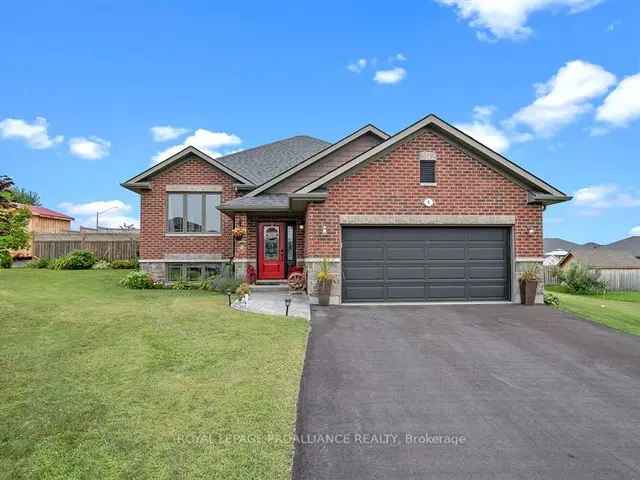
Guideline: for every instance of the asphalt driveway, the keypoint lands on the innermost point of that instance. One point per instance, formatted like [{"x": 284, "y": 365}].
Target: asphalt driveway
[{"x": 467, "y": 392}]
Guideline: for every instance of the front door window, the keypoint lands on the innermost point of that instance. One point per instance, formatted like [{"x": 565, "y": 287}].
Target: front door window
[{"x": 271, "y": 243}]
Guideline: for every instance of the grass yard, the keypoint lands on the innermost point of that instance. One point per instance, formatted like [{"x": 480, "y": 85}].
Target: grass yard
[
  {"x": 619, "y": 310},
  {"x": 103, "y": 382}
]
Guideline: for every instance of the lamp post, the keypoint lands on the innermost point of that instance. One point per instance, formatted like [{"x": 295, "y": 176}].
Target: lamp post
[
  {"x": 228, "y": 292},
  {"x": 287, "y": 304}
]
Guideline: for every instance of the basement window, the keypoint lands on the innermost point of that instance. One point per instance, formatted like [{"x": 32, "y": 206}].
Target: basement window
[{"x": 192, "y": 272}]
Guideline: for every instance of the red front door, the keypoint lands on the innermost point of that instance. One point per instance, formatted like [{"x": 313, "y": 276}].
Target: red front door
[{"x": 271, "y": 256}]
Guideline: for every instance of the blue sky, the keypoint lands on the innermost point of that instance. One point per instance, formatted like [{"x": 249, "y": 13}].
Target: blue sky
[{"x": 553, "y": 84}]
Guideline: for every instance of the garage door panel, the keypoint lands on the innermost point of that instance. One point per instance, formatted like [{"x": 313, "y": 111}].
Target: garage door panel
[
  {"x": 359, "y": 234},
  {"x": 446, "y": 253},
  {"x": 449, "y": 292},
  {"x": 364, "y": 273},
  {"x": 487, "y": 272},
  {"x": 486, "y": 253},
  {"x": 365, "y": 293},
  {"x": 405, "y": 253},
  {"x": 480, "y": 292},
  {"x": 364, "y": 253},
  {"x": 406, "y": 293},
  {"x": 484, "y": 234},
  {"x": 416, "y": 264},
  {"x": 406, "y": 272},
  {"x": 447, "y": 272}
]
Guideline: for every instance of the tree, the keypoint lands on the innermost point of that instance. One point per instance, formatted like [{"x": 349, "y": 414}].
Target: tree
[
  {"x": 13, "y": 223},
  {"x": 24, "y": 196},
  {"x": 5, "y": 189}
]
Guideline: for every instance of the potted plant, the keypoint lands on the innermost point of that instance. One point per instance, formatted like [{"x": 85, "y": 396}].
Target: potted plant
[
  {"x": 529, "y": 285},
  {"x": 239, "y": 233},
  {"x": 243, "y": 291},
  {"x": 324, "y": 280}
]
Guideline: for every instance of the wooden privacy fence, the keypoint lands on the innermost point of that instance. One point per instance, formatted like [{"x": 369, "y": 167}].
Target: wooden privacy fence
[
  {"x": 107, "y": 246},
  {"x": 615, "y": 278}
]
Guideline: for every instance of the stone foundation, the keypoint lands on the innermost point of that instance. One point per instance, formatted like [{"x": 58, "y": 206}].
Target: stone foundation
[{"x": 157, "y": 270}]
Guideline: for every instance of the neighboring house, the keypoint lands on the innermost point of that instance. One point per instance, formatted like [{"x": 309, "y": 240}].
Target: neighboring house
[
  {"x": 44, "y": 220},
  {"x": 428, "y": 214},
  {"x": 554, "y": 257},
  {"x": 620, "y": 269}
]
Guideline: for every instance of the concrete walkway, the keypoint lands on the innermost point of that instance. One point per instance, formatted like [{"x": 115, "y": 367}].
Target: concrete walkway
[{"x": 271, "y": 302}]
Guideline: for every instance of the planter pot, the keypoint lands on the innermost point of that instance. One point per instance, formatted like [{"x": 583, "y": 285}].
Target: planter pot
[
  {"x": 528, "y": 289},
  {"x": 324, "y": 292}
]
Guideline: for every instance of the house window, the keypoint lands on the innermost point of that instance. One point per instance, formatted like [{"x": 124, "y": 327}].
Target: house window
[
  {"x": 192, "y": 272},
  {"x": 427, "y": 171},
  {"x": 193, "y": 213}
]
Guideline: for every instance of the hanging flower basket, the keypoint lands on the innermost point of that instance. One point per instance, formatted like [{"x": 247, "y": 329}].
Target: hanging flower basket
[{"x": 239, "y": 233}]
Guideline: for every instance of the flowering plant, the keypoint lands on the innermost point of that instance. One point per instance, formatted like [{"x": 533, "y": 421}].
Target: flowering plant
[{"x": 239, "y": 232}]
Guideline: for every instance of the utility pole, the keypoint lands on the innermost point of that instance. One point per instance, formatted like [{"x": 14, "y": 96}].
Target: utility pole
[{"x": 98, "y": 217}]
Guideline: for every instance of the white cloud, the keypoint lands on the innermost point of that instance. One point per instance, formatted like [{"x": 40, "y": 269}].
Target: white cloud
[
  {"x": 92, "y": 148},
  {"x": 635, "y": 231},
  {"x": 202, "y": 139},
  {"x": 484, "y": 131},
  {"x": 596, "y": 198},
  {"x": 500, "y": 19},
  {"x": 358, "y": 65},
  {"x": 166, "y": 133},
  {"x": 112, "y": 213},
  {"x": 391, "y": 76},
  {"x": 564, "y": 97},
  {"x": 35, "y": 134},
  {"x": 622, "y": 105},
  {"x": 398, "y": 57}
]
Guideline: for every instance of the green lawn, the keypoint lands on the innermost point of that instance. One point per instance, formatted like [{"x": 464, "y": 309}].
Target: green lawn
[
  {"x": 103, "y": 382},
  {"x": 619, "y": 310}
]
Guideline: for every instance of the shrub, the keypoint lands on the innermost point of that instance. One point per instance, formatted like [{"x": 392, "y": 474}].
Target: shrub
[
  {"x": 101, "y": 265},
  {"x": 76, "y": 260},
  {"x": 579, "y": 279},
  {"x": 124, "y": 264},
  {"x": 138, "y": 280},
  {"x": 180, "y": 285},
  {"x": 38, "y": 263},
  {"x": 551, "y": 299},
  {"x": 5, "y": 260},
  {"x": 223, "y": 283}
]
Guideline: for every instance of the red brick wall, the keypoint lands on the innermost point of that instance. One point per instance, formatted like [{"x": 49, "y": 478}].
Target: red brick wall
[
  {"x": 154, "y": 244},
  {"x": 390, "y": 185}
]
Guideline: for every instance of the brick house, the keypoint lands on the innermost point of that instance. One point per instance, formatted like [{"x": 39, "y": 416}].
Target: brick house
[{"x": 428, "y": 214}]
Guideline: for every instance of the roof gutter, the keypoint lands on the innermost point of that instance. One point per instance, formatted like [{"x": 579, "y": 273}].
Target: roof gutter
[{"x": 546, "y": 199}]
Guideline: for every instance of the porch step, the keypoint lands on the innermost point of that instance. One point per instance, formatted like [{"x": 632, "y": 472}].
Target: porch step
[{"x": 270, "y": 287}]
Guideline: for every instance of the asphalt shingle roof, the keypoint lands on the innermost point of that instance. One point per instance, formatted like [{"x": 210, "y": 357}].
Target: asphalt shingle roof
[
  {"x": 262, "y": 163},
  {"x": 605, "y": 258},
  {"x": 267, "y": 201}
]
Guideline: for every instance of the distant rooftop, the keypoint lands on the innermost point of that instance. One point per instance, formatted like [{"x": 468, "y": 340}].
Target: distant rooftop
[
  {"x": 603, "y": 257},
  {"x": 46, "y": 212}
]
